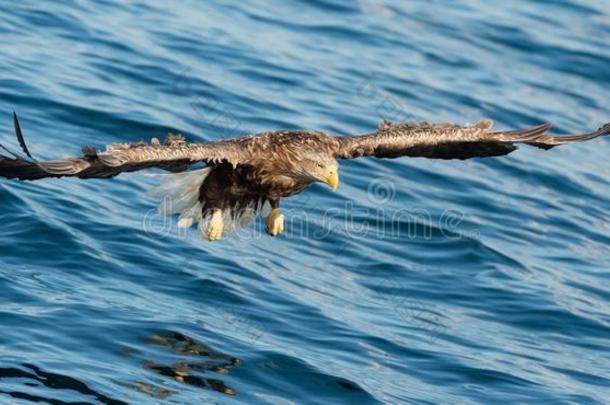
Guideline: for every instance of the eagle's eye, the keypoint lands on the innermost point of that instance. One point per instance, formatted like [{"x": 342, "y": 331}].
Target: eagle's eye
[{"x": 319, "y": 165}]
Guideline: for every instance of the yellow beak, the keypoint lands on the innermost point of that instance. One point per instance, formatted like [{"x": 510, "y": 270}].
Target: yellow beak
[{"x": 332, "y": 178}]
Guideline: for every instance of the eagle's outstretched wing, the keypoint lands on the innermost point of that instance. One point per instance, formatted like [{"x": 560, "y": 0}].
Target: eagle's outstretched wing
[
  {"x": 448, "y": 141},
  {"x": 174, "y": 155}
]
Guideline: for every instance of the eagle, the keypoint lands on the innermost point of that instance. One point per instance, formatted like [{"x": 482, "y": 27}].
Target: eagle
[{"x": 248, "y": 176}]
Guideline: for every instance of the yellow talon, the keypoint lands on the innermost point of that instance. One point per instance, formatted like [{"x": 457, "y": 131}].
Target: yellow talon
[
  {"x": 215, "y": 226},
  {"x": 275, "y": 222}
]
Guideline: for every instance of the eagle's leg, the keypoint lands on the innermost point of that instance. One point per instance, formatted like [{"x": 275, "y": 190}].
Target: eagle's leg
[
  {"x": 215, "y": 225},
  {"x": 275, "y": 219}
]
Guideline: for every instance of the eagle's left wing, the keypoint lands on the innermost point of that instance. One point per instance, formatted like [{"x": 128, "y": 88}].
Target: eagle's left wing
[
  {"x": 449, "y": 141},
  {"x": 173, "y": 155}
]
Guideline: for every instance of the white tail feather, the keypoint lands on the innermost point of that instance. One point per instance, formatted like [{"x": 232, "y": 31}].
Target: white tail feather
[
  {"x": 190, "y": 216},
  {"x": 180, "y": 192},
  {"x": 178, "y": 184}
]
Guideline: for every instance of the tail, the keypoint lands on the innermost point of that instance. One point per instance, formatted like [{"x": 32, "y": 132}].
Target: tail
[{"x": 180, "y": 193}]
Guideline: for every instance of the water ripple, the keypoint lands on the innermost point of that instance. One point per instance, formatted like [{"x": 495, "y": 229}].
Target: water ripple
[{"x": 455, "y": 282}]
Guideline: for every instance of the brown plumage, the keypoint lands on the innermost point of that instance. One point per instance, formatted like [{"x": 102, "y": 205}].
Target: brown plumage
[{"x": 244, "y": 174}]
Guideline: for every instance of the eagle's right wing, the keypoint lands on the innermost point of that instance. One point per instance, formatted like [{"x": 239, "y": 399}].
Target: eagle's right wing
[{"x": 174, "y": 155}]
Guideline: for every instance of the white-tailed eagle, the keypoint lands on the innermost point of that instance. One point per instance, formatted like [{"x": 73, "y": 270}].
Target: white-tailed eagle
[{"x": 243, "y": 175}]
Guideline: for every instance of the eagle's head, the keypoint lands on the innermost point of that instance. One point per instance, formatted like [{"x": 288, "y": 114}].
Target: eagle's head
[{"x": 323, "y": 169}]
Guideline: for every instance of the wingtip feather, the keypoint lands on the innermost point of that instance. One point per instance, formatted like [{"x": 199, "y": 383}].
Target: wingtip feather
[
  {"x": 19, "y": 135},
  {"x": 605, "y": 129}
]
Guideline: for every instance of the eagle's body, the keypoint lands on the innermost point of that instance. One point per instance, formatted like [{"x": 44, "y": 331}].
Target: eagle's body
[
  {"x": 274, "y": 156},
  {"x": 245, "y": 174}
]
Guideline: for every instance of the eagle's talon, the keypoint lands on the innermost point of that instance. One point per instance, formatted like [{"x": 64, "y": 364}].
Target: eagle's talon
[
  {"x": 215, "y": 226},
  {"x": 275, "y": 222},
  {"x": 214, "y": 234}
]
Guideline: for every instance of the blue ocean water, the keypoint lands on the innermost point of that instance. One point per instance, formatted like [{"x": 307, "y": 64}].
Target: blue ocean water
[{"x": 419, "y": 281}]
